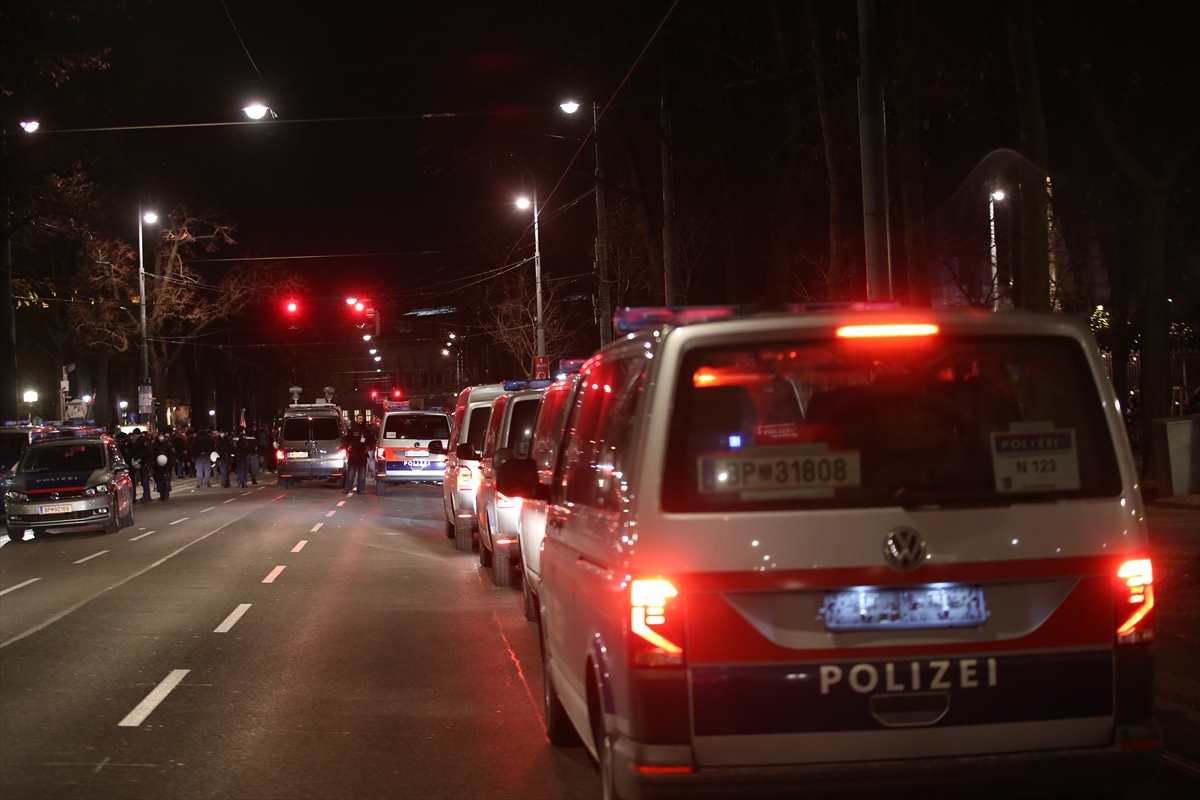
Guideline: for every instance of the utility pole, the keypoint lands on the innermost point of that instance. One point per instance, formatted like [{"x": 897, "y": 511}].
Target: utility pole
[
  {"x": 873, "y": 146},
  {"x": 671, "y": 288},
  {"x": 601, "y": 249}
]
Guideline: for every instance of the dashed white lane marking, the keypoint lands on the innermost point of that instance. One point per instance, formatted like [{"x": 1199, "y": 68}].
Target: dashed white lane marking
[
  {"x": 230, "y": 500},
  {"x": 300, "y": 546},
  {"x": 210, "y": 508},
  {"x": 316, "y": 527},
  {"x": 273, "y": 574},
  {"x": 160, "y": 692},
  {"x": 341, "y": 503},
  {"x": 141, "y": 536},
  {"x": 243, "y": 495},
  {"x": 331, "y": 513},
  {"x": 93, "y": 555},
  {"x": 232, "y": 619},
  {"x": 19, "y": 585},
  {"x": 182, "y": 519}
]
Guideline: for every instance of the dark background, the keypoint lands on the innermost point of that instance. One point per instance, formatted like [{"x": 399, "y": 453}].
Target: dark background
[{"x": 416, "y": 203}]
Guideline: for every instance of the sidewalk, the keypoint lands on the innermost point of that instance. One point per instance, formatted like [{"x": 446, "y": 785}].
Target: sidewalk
[{"x": 1174, "y": 525}]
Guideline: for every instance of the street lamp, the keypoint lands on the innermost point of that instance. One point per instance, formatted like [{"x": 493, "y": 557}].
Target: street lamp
[
  {"x": 29, "y": 126},
  {"x": 996, "y": 196},
  {"x": 258, "y": 111},
  {"x": 524, "y": 203},
  {"x": 30, "y": 397},
  {"x": 605, "y": 297},
  {"x": 145, "y": 391}
]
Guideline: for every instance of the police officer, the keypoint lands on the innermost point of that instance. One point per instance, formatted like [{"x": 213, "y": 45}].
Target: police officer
[
  {"x": 361, "y": 442},
  {"x": 241, "y": 455},
  {"x": 224, "y": 457},
  {"x": 139, "y": 451},
  {"x": 202, "y": 447},
  {"x": 162, "y": 462}
]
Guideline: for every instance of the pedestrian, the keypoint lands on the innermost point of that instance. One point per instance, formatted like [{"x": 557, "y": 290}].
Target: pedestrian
[
  {"x": 139, "y": 449},
  {"x": 162, "y": 464},
  {"x": 202, "y": 448},
  {"x": 241, "y": 455},
  {"x": 179, "y": 447},
  {"x": 361, "y": 442},
  {"x": 253, "y": 456},
  {"x": 224, "y": 457}
]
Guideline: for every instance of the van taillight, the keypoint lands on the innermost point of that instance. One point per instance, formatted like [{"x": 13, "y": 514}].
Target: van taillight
[
  {"x": 1134, "y": 602},
  {"x": 280, "y": 455},
  {"x": 466, "y": 481},
  {"x": 655, "y": 624}
]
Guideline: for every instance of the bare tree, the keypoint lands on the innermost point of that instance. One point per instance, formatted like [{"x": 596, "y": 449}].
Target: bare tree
[
  {"x": 180, "y": 302},
  {"x": 512, "y": 322}
]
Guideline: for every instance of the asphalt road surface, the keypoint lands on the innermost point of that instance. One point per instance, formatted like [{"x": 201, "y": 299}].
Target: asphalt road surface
[
  {"x": 276, "y": 644},
  {"x": 270, "y": 644}
]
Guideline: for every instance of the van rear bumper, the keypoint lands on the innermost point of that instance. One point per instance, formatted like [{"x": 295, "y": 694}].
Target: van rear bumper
[{"x": 1133, "y": 761}]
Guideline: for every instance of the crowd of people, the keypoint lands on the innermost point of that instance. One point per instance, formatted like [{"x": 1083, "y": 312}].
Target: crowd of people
[
  {"x": 226, "y": 457},
  {"x": 206, "y": 456}
]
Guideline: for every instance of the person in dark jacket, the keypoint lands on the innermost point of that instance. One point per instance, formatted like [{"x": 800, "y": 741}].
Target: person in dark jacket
[
  {"x": 224, "y": 457},
  {"x": 162, "y": 463},
  {"x": 241, "y": 455},
  {"x": 253, "y": 455},
  {"x": 360, "y": 444},
  {"x": 139, "y": 452},
  {"x": 202, "y": 448}
]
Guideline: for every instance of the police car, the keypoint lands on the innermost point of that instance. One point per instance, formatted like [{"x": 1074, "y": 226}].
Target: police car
[
  {"x": 851, "y": 549},
  {"x": 403, "y": 452}
]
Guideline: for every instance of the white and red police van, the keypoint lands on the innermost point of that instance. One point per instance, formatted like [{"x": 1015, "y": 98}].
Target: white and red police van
[{"x": 850, "y": 549}]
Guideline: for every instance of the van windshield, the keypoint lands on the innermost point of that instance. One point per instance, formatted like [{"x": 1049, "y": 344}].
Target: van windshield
[{"x": 930, "y": 421}]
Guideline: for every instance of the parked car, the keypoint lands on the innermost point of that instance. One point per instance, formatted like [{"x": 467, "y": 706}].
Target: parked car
[
  {"x": 543, "y": 465},
  {"x": 310, "y": 444},
  {"x": 848, "y": 549},
  {"x": 403, "y": 453},
  {"x": 509, "y": 431},
  {"x": 471, "y": 413},
  {"x": 63, "y": 484}
]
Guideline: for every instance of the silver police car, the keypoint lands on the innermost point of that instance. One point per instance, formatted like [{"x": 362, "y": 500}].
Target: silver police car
[{"x": 65, "y": 484}]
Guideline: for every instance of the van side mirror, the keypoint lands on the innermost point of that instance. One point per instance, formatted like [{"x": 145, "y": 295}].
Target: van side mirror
[
  {"x": 436, "y": 447},
  {"x": 517, "y": 477},
  {"x": 464, "y": 452},
  {"x": 501, "y": 456}
]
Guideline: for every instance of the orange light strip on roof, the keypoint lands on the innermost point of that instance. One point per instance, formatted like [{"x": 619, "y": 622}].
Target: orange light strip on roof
[{"x": 868, "y": 331}]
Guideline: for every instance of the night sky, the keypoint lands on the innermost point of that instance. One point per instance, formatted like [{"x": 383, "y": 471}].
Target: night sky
[{"x": 408, "y": 129}]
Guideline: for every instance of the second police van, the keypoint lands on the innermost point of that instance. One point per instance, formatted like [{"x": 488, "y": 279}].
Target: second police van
[{"x": 849, "y": 549}]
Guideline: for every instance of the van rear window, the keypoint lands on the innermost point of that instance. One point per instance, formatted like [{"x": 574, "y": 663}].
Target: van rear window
[
  {"x": 416, "y": 426},
  {"x": 930, "y": 422}
]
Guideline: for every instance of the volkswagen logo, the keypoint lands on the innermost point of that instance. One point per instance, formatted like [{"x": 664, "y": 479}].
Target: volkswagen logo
[
  {"x": 904, "y": 549},
  {"x": 54, "y": 495}
]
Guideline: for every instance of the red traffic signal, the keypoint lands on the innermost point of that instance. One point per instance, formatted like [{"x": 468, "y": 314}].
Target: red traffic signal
[
  {"x": 374, "y": 394},
  {"x": 292, "y": 306},
  {"x": 395, "y": 392}
]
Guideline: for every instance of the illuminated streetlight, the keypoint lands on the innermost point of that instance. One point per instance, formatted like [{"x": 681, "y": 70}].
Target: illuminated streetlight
[
  {"x": 996, "y": 196},
  {"x": 257, "y": 111},
  {"x": 30, "y": 126},
  {"x": 537, "y": 272},
  {"x": 145, "y": 390},
  {"x": 569, "y": 106},
  {"x": 445, "y": 352},
  {"x": 30, "y": 396},
  {"x": 351, "y": 301},
  {"x": 453, "y": 336},
  {"x": 123, "y": 404},
  {"x": 379, "y": 358},
  {"x": 366, "y": 337},
  {"x": 372, "y": 351},
  {"x": 87, "y": 398}
]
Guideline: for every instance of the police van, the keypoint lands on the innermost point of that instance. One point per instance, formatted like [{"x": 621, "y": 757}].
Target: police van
[{"x": 851, "y": 549}]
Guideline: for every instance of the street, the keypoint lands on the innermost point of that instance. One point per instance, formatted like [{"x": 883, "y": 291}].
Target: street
[
  {"x": 276, "y": 644},
  {"x": 376, "y": 662}
]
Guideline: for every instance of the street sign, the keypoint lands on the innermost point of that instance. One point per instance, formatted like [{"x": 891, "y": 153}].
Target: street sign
[
  {"x": 145, "y": 400},
  {"x": 541, "y": 366}
]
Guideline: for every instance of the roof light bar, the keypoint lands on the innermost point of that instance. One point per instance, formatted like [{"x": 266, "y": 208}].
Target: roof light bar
[{"x": 876, "y": 331}]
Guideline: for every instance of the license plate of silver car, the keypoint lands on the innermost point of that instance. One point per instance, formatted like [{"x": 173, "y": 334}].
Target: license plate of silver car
[{"x": 55, "y": 509}]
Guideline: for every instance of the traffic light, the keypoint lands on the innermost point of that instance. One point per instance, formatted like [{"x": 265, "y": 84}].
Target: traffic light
[
  {"x": 396, "y": 393},
  {"x": 292, "y": 306},
  {"x": 291, "y": 312},
  {"x": 374, "y": 394}
]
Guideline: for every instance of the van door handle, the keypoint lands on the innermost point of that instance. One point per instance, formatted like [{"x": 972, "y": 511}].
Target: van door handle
[{"x": 591, "y": 566}]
